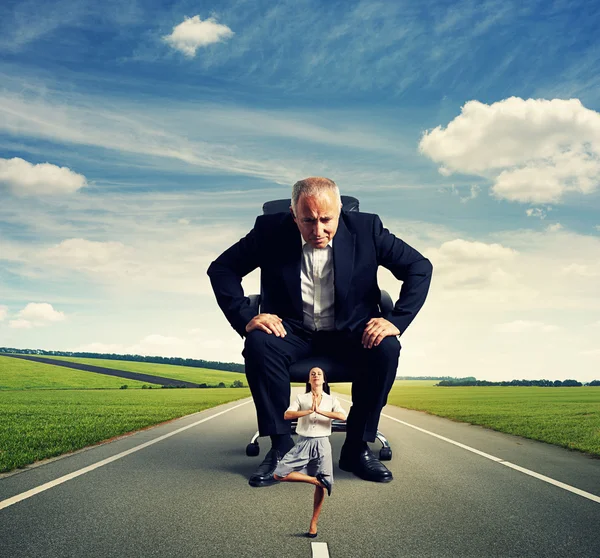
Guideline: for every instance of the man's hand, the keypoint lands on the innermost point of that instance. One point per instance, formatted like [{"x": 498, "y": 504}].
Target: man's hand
[
  {"x": 376, "y": 331},
  {"x": 269, "y": 323}
]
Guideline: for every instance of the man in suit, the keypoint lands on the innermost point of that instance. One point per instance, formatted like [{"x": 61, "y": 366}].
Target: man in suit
[{"x": 320, "y": 295}]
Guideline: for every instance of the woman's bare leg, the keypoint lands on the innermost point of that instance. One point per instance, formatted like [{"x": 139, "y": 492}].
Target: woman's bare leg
[
  {"x": 318, "y": 504},
  {"x": 295, "y": 476}
]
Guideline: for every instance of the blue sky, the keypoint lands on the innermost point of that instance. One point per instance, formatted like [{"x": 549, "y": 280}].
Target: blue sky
[{"x": 138, "y": 141}]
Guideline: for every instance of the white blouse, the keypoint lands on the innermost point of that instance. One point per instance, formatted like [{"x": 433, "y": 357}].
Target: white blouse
[{"x": 315, "y": 425}]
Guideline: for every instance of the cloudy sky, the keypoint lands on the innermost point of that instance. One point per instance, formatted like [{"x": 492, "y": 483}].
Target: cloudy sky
[{"x": 138, "y": 140}]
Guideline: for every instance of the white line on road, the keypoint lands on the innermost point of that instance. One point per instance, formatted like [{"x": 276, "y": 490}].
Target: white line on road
[
  {"x": 24, "y": 495},
  {"x": 319, "y": 550},
  {"x": 549, "y": 480}
]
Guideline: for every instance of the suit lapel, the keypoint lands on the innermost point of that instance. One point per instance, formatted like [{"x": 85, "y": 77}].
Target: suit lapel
[{"x": 343, "y": 263}]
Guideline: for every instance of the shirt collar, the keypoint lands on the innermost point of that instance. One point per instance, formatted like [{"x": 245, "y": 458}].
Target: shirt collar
[{"x": 304, "y": 243}]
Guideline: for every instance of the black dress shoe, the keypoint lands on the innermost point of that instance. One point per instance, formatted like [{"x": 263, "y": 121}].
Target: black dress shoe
[
  {"x": 321, "y": 478},
  {"x": 263, "y": 476},
  {"x": 364, "y": 464},
  {"x": 311, "y": 535}
]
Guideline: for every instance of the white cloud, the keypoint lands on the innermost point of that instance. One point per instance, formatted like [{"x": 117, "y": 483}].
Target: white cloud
[
  {"x": 472, "y": 272},
  {"x": 191, "y": 346},
  {"x": 20, "y": 324},
  {"x": 523, "y": 326},
  {"x": 3, "y": 312},
  {"x": 26, "y": 179},
  {"x": 540, "y": 212},
  {"x": 166, "y": 259},
  {"x": 36, "y": 314},
  {"x": 534, "y": 150},
  {"x": 583, "y": 270},
  {"x": 460, "y": 251},
  {"x": 554, "y": 228},
  {"x": 456, "y": 191},
  {"x": 87, "y": 255},
  {"x": 193, "y": 33}
]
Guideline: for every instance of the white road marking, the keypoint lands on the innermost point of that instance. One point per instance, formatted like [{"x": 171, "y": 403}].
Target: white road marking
[
  {"x": 24, "y": 495},
  {"x": 549, "y": 480},
  {"x": 319, "y": 550}
]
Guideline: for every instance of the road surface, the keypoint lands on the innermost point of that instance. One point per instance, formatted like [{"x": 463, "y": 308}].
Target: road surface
[{"x": 180, "y": 490}]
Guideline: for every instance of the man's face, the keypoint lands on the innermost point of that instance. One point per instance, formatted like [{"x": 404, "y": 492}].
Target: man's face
[{"x": 317, "y": 218}]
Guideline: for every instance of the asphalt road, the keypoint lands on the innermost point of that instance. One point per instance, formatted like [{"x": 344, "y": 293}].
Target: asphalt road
[{"x": 186, "y": 495}]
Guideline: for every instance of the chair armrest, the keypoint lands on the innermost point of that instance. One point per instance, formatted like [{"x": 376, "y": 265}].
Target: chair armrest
[
  {"x": 386, "y": 305},
  {"x": 255, "y": 302}
]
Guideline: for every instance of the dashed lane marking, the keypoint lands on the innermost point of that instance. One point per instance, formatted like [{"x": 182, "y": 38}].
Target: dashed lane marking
[
  {"x": 24, "y": 495},
  {"x": 319, "y": 550}
]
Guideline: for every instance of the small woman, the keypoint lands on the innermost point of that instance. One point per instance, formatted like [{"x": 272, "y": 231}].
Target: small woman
[{"x": 310, "y": 459}]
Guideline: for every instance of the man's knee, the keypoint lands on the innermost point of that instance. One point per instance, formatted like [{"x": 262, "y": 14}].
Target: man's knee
[
  {"x": 388, "y": 351},
  {"x": 258, "y": 343},
  {"x": 265, "y": 353},
  {"x": 255, "y": 342}
]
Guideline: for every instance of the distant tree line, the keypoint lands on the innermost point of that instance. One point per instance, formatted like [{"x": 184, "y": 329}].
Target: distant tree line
[
  {"x": 198, "y": 363},
  {"x": 538, "y": 383},
  {"x": 425, "y": 378}
]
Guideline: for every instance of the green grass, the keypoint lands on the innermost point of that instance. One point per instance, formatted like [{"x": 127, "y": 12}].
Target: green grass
[
  {"x": 24, "y": 374},
  {"x": 186, "y": 373},
  {"x": 40, "y": 424},
  {"x": 567, "y": 417}
]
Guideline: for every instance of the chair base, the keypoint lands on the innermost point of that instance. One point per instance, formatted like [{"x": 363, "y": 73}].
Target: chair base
[{"x": 385, "y": 453}]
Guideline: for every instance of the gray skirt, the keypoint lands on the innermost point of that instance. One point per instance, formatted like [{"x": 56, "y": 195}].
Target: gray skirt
[{"x": 309, "y": 456}]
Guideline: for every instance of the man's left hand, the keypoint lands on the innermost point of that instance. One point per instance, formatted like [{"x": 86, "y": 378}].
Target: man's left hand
[{"x": 376, "y": 331}]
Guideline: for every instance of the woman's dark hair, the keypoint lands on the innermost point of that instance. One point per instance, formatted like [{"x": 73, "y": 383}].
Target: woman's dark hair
[{"x": 325, "y": 384}]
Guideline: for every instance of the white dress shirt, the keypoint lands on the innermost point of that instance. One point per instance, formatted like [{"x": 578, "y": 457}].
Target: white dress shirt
[
  {"x": 315, "y": 425},
  {"x": 316, "y": 278}
]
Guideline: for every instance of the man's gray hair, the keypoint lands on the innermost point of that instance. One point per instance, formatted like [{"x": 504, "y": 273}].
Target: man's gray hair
[{"x": 313, "y": 186}]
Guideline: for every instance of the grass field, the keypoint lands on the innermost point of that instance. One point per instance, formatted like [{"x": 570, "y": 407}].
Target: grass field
[
  {"x": 567, "y": 417},
  {"x": 48, "y": 410},
  {"x": 24, "y": 374},
  {"x": 185, "y": 373},
  {"x": 37, "y": 424}
]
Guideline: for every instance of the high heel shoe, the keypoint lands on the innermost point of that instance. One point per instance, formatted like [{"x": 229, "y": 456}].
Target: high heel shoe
[{"x": 321, "y": 478}]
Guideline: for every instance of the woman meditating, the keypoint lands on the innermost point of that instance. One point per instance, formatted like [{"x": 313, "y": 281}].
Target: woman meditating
[{"x": 310, "y": 459}]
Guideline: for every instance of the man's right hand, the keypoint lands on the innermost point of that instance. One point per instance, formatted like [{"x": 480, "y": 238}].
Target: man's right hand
[{"x": 269, "y": 323}]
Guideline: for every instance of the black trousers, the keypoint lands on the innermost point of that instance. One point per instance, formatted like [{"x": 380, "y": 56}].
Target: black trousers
[{"x": 268, "y": 359}]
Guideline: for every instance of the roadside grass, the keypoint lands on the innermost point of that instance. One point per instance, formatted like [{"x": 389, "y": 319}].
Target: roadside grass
[
  {"x": 28, "y": 375},
  {"x": 39, "y": 424},
  {"x": 174, "y": 371},
  {"x": 567, "y": 417}
]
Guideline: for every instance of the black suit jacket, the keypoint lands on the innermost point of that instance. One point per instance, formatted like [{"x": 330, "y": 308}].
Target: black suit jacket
[{"x": 360, "y": 245}]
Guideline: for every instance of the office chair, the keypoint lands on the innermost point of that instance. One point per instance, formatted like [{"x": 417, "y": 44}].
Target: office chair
[{"x": 336, "y": 372}]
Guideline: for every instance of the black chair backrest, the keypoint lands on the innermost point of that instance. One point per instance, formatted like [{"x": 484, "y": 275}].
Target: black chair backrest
[{"x": 349, "y": 203}]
